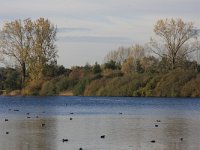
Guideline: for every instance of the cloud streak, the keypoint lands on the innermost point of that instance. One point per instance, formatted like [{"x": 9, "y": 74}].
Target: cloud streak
[
  {"x": 94, "y": 39},
  {"x": 65, "y": 29}
]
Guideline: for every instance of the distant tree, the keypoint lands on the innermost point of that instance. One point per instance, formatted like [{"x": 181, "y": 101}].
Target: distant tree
[
  {"x": 87, "y": 67},
  {"x": 128, "y": 65},
  {"x": 176, "y": 38},
  {"x": 112, "y": 65},
  {"x": 96, "y": 68},
  {"x": 119, "y": 55},
  {"x": 61, "y": 70},
  {"x": 138, "y": 66},
  {"x": 50, "y": 70},
  {"x": 149, "y": 64},
  {"x": 125, "y": 58},
  {"x": 132, "y": 63},
  {"x": 137, "y": 53}
]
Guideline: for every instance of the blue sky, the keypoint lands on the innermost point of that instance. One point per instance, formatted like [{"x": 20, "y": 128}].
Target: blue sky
[{"x": 89, "y": 29}]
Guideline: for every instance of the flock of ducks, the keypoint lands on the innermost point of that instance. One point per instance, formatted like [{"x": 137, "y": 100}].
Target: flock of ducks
[
  {"x": 156, "y": 125},
  {"x": 67, "y": 140}
]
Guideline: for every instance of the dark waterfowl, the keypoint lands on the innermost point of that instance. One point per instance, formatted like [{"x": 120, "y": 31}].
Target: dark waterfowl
[
  {"x": 156, "y": 125},
  {"x": 103, "y": 136},
  {"x": 65, "y": 140},
  {"x": 153, "y": 141}
]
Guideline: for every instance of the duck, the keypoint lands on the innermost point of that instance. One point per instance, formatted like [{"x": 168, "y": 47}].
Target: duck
[{"x": 65, "y": 140}]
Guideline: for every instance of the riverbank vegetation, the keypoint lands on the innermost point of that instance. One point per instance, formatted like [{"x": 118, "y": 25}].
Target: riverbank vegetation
[{"x": 167, "y": 66}]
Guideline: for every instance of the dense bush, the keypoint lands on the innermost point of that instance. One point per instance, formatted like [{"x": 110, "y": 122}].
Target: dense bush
[
  {"x": 80, "y": 86},
  {"x": 65, "y": 83},
  {"x": 48, "y": 89},
  {"x": 171, "y": 83},
  {"x": 112, "y": 65},
  {"x": 108, "y": 82},
  {"x": 33, "y": 88},
  {"x": 116, "y": 86},
  {"x": 146, "y": 84},
  {"x": 9, "y": 79},
  {"x": 191, "y": 88}
]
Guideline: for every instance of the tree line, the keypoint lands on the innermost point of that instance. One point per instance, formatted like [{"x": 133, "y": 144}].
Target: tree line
[{"x": 166, "y": 66}]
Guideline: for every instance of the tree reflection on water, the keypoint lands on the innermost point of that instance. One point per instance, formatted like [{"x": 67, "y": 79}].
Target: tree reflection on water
[{"x": 29, "y": 134}]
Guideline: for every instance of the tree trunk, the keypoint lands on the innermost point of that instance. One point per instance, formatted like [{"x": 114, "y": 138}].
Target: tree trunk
[
  {"x": 173, "y": 63},
  {"x": 23, "y": 65}
]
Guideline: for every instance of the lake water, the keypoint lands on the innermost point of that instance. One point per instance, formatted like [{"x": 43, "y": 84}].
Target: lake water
[{"x": 41, "y": 123}]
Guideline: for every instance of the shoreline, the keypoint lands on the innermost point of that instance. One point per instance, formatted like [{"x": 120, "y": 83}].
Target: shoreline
[{"x": 70, "y": 93}]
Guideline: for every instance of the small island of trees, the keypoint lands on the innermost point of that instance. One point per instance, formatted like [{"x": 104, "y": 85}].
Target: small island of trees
[{"x": 167, "y": 66}]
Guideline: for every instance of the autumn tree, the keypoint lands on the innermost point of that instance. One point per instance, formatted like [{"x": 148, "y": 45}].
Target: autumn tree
[
  {"x": 44, "y": 50},
  {"x": 176, "y": 38},
  {"x": 149, "y": 63},
  {"x": 119, "y": 55},
  {"x": 16, "y": 43},
  {"x": 128, "y": 65},
  {"x": 29, "y": 44},
  {"x": 137, "y": 53},
  {"x": 133, "y": 60},
  {"x": 127, "y": 57}
]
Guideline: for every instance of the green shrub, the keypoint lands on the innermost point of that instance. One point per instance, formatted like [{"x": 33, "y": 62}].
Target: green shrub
[
  {"x": 80, "y": 87},
  {"x": 65, "y": 83}
]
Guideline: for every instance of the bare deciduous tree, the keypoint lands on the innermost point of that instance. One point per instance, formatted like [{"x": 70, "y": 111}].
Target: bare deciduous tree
[
  {"x": 119, "y": 56},
  {"x": 122, "y": 54},
  {"x": 176, "y": 38}
]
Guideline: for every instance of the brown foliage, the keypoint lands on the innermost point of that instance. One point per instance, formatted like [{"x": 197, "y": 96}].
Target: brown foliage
[{"x": 192, "y": 88}]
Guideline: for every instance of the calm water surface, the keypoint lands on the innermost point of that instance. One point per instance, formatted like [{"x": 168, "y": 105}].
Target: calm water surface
[{"x": 40, "y": 123}]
